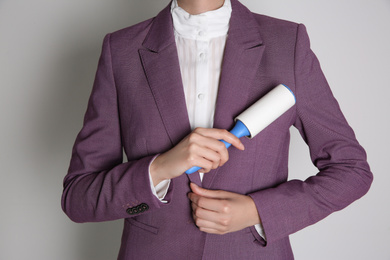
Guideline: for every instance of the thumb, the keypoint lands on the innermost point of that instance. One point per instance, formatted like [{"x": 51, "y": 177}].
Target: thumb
[{"x": 213, "y": 194}]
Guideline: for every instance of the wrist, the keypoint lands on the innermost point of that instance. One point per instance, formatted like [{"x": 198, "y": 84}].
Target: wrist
[
  {"x": 253, "y": 216},
  {"x": 155, "y": 170}
]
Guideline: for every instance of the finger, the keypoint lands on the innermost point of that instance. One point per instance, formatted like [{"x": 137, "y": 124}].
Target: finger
[
  {"x": 206, "y": 159},
  {"x": 200, "y": 203},
  {"x": 230, "y": 138},
  {"x": 202, "y": 156},
  {"x": 219, "y": 148},
  {"x": 211, "y": 231},
  {"x": 221, "y": 134},
  {"x": 217, "y": 218},
  {"x": 198, "y": 140},
  {"x": 234, "y": 140},
  {"x": 210, "y": 227},
  {"x": 212, "y": 194}
]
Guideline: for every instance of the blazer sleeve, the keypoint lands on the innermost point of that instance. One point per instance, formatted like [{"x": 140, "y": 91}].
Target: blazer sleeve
[
  {"x": 344, "y": 174},
  {"x": 98, "y": 185}
]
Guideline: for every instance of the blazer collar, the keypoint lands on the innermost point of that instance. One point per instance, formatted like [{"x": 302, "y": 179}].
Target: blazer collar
[
  {"x": 161, "y": 32},
  {"x": 243, "y": 29}
]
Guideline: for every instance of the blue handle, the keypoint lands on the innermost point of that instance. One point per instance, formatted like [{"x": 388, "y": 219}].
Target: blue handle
[{"x": 238, "y": 130}]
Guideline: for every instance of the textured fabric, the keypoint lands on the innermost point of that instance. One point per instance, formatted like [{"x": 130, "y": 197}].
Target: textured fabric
[{"x": 137, "y": 103}]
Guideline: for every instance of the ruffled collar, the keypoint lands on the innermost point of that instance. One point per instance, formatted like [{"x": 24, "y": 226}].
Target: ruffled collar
[{"x": 202, "y": 26}]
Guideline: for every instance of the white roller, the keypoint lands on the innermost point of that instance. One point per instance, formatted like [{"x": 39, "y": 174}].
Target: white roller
[{"x": 267, "y": 109}]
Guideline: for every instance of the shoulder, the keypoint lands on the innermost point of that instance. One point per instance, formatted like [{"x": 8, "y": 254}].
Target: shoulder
[
  {"x": 279, "y": 32},
  {"x": 130, "y": 36},
  {"x": 275, "y": 26}
]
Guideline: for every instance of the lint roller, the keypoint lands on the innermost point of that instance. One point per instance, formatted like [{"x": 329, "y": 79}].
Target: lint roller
[{"x": 261, "y": 114}]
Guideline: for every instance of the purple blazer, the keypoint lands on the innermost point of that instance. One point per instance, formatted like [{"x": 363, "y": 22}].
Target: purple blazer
[{"x": 137, "y": 104}]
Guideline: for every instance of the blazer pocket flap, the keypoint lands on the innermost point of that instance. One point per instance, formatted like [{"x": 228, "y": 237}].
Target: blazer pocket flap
[{"x": 143, "y": 226}]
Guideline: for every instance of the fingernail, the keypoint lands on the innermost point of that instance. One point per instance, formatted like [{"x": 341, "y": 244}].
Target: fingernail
[{"x": 192, "y": 185}]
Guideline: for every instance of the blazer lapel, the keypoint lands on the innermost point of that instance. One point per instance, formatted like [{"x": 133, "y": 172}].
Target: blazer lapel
[
  {"x": 161, "y": 65},
  {"x": 243, "y": 52}
]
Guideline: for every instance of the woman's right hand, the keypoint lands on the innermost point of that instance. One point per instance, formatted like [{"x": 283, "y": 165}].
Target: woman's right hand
[{"x": 200, "y": 148}]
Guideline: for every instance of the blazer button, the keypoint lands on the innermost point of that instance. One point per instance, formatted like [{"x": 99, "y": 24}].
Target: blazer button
[
  {"x": 144, "y": 207},
  {"x": 137, "y": 209}
]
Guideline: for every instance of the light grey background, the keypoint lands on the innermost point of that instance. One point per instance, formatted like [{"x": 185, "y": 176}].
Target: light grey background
[{"x": 48, "y": 56}]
